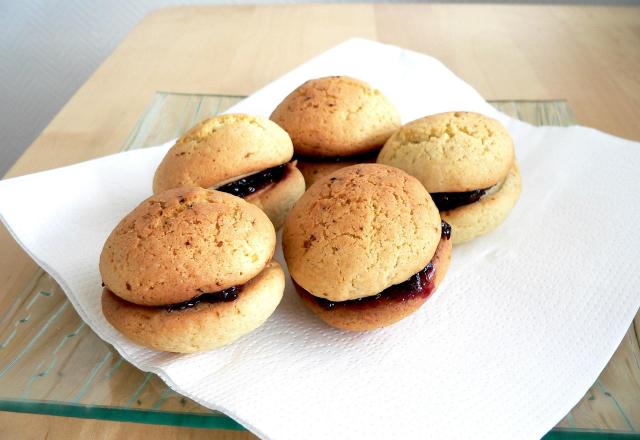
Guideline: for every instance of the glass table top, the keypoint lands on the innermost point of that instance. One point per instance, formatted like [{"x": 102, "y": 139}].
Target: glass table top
[{"x": 52, "y": 363}]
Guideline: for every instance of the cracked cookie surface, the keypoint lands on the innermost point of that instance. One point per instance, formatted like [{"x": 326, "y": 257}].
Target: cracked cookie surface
[
  {"x": 222, "y": 149},
  {"x": 452, "y": 152},
  {"x": 360, "y": 230},
  {"x": 336, "y": 116},
  {"x": 183, "y": 242}
]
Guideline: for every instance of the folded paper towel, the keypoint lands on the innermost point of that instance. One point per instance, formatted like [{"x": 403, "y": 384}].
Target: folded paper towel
[{"x": 523, "y": 324}]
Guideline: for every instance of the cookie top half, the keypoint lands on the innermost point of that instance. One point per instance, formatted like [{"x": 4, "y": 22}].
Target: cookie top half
[
  {"x": 222, "y": 149},
  {"x": 452, "y": 152},
  {"x": 336, "y": 116},
  {"x": 185, "y": 242},
  {"x": 360, "y": 230}
]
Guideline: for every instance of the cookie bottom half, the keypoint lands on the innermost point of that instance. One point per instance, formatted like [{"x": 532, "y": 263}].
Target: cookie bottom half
[
  {"x": 205, "y": 325},
  {"x": 277, "y": 199},
  {"x": 378, "y": 312},
  {"x": 478, "y": 218},
  {"x": 315, "y": 169}
]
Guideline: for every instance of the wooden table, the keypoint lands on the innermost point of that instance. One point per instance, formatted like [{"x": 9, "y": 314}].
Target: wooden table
[{"x": 588, "y": 55}]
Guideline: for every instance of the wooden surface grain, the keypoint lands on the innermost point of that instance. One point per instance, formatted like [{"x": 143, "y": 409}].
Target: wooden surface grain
[
  {"x": 588, "y": 55},
  {"x": 37, "y": 427}
]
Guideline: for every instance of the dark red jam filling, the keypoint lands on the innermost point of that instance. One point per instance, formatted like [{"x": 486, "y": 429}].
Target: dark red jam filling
[
  {"x": 364, "y": 157},
  {"x": 420, "y": 284},
  {"x": 255, "y": 182},
  {"x": 445, "y": 233},
  {"x": 227, "y": 295},
  {"x": 446, "y": 201}
]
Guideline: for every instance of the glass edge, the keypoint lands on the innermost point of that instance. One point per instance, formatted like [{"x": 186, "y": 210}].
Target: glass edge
[
  {"x": 212, "y": 421},
  {"x": 499, "y": 101},
  {"x": 218, "y": 95},
  {"x": 586, "y": 434},
  {"x": 118, "y": 414}
]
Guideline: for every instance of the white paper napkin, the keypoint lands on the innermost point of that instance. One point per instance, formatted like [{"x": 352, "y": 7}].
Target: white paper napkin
[{"x": 524, "y": 322}]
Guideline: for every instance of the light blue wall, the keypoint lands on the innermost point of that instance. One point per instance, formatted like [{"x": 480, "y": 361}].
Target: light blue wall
[{"x": 48, "y": 48}]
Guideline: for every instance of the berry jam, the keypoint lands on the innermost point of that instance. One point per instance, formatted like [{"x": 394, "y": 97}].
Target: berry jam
[
  {"x": 250, "y": 184},
  {"x": 364, "y": 157},
  {"x": 227, "y": 295},
  {"x": 446, "y": 201},
  {"x": 418, "y": 285},
  {"x": 446, "y": 230}
]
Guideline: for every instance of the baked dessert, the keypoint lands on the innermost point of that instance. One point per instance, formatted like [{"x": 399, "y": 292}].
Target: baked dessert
[
  {"x": 335, "y": 122},
  {"x": 189, "y": 270},
  {"x": 467, "y": 163},
  {"x": 366, "y": 247},
  {"x": 247, "y": 156}
]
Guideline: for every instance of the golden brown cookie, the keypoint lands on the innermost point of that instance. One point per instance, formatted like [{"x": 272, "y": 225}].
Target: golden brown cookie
[
  {"x": 451, "y": 152},
  {"x": 336, "y": 116},
  {"x": 243, "y": 155},
  {"x": 475, "y": 219},
  {"x": 180, "y": 243},
  {"x": 202, "y": 326},
  {"x": 466, "y": 161},
  {"x": 277, "y": 200},
  {"x": 359, "y": 231},
  {"x": 222, "y": 149},
  {"x": 383, "y": 311}
]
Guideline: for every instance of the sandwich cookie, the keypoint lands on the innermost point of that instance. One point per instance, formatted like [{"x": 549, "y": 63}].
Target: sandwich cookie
[
  {"x": 335, "y": 122},
  {"x": 467, "y": 163},
  {"x": 190, "y": 270},
  {"x": 247, "y": 156},
  {"x": 366, "y": 247}
]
